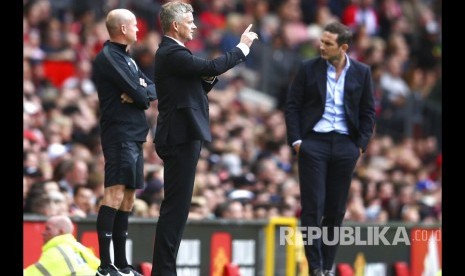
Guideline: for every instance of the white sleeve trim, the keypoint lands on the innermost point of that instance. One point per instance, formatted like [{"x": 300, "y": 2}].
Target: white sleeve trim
[
  {"x": 296, "y": 143},
  {"x": 244, "y": 48}
]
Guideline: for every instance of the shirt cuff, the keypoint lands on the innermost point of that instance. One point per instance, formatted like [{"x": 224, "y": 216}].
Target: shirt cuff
[
  {"x": 243, "y": 48},
  {"x": 296, "y": 143}
]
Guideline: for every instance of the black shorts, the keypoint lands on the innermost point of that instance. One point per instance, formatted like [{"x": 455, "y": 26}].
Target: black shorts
[{"x": 124, "y": 164}]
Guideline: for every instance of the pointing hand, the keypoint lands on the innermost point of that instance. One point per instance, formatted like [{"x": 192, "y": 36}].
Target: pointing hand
[{"x": 248, "y": 37}]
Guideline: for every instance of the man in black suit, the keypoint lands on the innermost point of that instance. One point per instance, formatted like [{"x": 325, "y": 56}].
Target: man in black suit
[
  {"x": 183, "y": 81},
  {"x": 124, "y": 93},
  {"x": 330, "y": 118}
]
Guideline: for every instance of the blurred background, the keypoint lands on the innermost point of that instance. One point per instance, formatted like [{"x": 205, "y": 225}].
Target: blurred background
[{"x": 248, "y": 171}]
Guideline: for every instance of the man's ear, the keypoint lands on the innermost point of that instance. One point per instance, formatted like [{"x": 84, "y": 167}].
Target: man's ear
[
  {"x": 175, "y": 25},
  {"x": 345, "y": 47}
]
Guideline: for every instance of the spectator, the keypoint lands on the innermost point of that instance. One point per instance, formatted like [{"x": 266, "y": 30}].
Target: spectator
[
  {"x": 61, "y": 253},
  {"x": 84, "y": 202}
]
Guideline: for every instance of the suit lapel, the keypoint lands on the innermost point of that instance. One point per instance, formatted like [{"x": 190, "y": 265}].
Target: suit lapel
[
  {"x": 349, "y": 83},
  {"x": 321, "y": 79}
]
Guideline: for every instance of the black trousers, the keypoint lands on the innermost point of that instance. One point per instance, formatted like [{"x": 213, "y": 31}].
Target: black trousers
[
  {"x": 180, "y": 162},
  {"x": 326, "y": 164}
]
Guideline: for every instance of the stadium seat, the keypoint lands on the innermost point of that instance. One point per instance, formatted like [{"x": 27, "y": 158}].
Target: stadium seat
[
  {"x": 146, "y": 268},
  {"x": 401, "y": 269},
  {"x": 231, "y": 270},
  {"x": 58, "y": 71},
  {"x": 344, "y": 269}
]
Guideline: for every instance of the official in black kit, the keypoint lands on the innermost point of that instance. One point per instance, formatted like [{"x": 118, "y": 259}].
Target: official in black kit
[{"x": 124, "y": 94}]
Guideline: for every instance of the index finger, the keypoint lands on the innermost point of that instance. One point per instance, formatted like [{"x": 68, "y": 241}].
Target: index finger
[{"x": 248, "y": 28}]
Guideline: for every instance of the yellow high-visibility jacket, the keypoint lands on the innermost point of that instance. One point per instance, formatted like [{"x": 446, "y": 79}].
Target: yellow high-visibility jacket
[{"x": 64, "y": 256}]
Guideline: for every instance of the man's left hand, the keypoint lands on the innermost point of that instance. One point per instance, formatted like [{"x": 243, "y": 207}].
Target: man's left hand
[{"x": 126, "y": 99}]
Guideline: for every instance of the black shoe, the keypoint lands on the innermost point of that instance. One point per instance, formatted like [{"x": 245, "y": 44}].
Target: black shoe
[
  {"x": 107, "y": 271},
  {"x": 129, "y": 271},
  {"x": 327, "y": 272},
  {"x": 317, "y": 272}
]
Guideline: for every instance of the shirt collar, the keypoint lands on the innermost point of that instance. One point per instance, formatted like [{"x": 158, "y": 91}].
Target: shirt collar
[
  {"x": 179, "y": 42},
  {"x": 123, "y": 47},
  {"x": 345, "y": 67}
]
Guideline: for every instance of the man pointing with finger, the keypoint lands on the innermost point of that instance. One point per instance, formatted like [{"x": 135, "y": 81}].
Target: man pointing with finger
[{"x": 183, "y": 81}]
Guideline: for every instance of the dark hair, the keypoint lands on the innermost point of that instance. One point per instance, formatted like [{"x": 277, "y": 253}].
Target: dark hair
[{"x": 344, "y": 34}]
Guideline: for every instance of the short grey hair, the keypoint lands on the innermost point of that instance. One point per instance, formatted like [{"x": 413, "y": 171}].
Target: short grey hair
[{"x": 172, "y": 11}]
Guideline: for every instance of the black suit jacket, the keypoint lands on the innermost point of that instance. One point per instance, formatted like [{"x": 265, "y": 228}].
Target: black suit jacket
[
  {"x": 115, "y": 74},
  {"x": 307, "y": 96},
  {"x": 182, "y": 94}
]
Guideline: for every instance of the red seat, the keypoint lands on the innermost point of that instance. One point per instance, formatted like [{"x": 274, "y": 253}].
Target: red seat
[
  {"x": 231, "y": 270},
  {"x": 146, "y": 268},
  {"x": 344, "y": 269},
  {"x": 401, "y": 269},
  {"x": 58, "y": 71}
]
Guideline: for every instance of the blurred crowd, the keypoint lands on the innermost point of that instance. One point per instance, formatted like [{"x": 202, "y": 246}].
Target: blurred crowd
[{"x": 248, "y": 170}]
